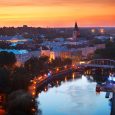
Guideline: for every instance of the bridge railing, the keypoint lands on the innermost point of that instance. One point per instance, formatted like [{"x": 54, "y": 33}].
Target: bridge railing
[
  {"x": 102, "y": 62},
  {"x": 105, "y": 63}
]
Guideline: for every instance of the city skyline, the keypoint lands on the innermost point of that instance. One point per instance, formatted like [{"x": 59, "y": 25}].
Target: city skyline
[{"x": 53, "y": 13}]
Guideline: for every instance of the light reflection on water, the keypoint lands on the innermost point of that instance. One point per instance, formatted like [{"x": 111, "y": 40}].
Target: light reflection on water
[{"x": 76, "y": 97}]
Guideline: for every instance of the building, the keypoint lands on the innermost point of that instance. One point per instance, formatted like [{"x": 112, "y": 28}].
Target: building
[
  {"x": 76, "y": 32},
  {"x": 62, "y": 53},
  {"x": 25, "y": 56},
  {"x": 86, "y": 51}
]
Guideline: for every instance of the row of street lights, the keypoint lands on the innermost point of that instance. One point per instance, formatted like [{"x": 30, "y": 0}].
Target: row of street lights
[{"x": 39, "y": 79}]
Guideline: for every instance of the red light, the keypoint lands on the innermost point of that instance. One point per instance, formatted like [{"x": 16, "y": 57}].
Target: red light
[
  {"x": 73, "y": 65},
  {"x": 57, "y": 69},
  {"x": 98, "y": 89},
  {"x": 0, "y": 98},
  {"x": 45, "y": 75}
]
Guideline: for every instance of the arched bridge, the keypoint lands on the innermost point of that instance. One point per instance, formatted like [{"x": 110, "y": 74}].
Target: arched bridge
[{"x": 102, "y": 63}]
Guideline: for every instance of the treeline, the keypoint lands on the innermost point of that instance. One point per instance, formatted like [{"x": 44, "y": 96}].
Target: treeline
[
  {"x": 36, "y": 32},
  {"x": 11, "y": 31},
  {"x": 51, "y": 33}
]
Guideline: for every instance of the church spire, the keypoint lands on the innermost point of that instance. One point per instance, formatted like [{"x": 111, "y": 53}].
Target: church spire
[
  {"x": 76, "y": 32},
  {"x": 76, "y": 27}
]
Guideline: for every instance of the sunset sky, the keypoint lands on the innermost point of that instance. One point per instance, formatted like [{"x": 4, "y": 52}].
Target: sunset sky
[{"x": 57, "y": 13}]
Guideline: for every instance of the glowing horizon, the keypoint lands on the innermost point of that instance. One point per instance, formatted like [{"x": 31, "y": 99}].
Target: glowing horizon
[{"x": 57, "y": 13}]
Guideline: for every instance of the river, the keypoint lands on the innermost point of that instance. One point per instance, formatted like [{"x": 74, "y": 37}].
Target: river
[{"x": 75, "y": 96}]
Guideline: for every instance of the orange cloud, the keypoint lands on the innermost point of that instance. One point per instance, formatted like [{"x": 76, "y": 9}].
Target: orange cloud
[
  {"x": 57, "y": 12},
  {"x": 53, "y": 2}
]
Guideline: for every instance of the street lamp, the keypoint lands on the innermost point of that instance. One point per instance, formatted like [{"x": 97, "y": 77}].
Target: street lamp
[
  {"x": 102, "y": 31},
  {"x": 93, "y": 30}
]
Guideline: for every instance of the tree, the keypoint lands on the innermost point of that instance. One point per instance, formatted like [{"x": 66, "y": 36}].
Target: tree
[
  {"x": 67, "y": 61},
  {"x": 4, "y": 44},
  {"x": 20, "y": 79},
  {"x": 21, "y": 103},
  {"x": 107, "y": 53},
  {"x": 7, "y": 59},
  {"x": 36, "y": 66},
  {"x": 57, "y": 62},
  {"x": 4, "y": 80},
  {"x": 43, "y": 64},
  {"x": 110, "y": 44},
  {"x": 95, "y": 41},
  {"x": 32, "y": 65},
  {"x": 44, "y": 59}
]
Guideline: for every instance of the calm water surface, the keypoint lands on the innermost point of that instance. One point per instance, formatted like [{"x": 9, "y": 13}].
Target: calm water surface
[{"x": 75, "y": 97}]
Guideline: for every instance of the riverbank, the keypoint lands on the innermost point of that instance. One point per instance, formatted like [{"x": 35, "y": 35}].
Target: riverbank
[
  {"x": 56, "y": 75},
  {"x": 39, "y": 82}
]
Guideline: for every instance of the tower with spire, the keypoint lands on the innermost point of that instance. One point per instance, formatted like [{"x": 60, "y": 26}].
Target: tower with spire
[{"x": 76, "y": 32}]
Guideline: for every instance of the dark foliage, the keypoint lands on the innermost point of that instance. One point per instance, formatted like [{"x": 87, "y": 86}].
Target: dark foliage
[
  {"x": 21, "y": 103},
  {"x": 7, "y": 59},
  {"x": 20, "y": 79},
  {"x": 36, "y": 66},
  {"x": 4, "y": 80},
  {"x": 107, "y": 53}
]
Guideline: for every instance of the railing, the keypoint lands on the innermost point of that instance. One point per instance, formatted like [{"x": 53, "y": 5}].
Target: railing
[{"x": 104, "y": 63}]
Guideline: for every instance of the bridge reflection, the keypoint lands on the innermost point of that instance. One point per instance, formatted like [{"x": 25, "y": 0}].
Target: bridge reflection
[{"x": 99, "y": 74}]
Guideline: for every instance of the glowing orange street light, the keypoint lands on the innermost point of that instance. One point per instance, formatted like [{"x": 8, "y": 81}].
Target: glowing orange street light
[
  {"x": 40, "y": 78},
  {"x": 34, "y": 87},
  {"x": 57, "y": 82},
  {"x": 102, "y": 30},
  {"x": 34, "y": 82},
  {"x": 73, "y": 76},
  {"x": 57, "y": 69},
  {"x": 33, "y": 93},
  {"x": 45, "y": 89},
  {"x": 65, "y": 67},
  {"x": 73, "y": 65},
  {"x": 65, "y": 79},
  {"x": 93, "y": 30},
  {"x": 45, "y": 75},
  {"x": 33, "y": 109}
]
